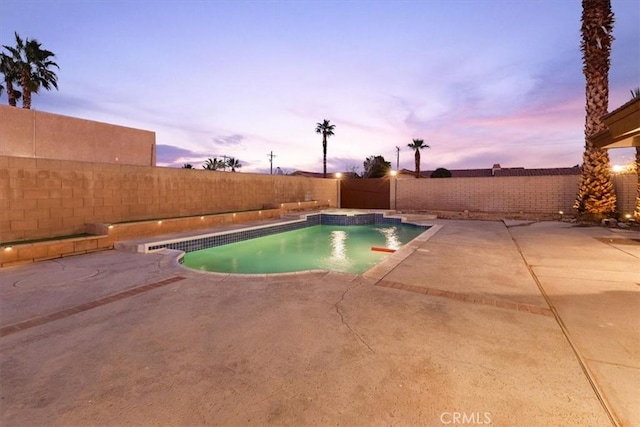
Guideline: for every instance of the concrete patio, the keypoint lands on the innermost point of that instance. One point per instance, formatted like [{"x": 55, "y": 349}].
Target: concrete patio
[{"x": 486, "y": 322}]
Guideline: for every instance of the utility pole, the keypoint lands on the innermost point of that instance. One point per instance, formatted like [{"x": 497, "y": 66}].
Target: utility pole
[
  {"x": 397, "y": 158},
  {"x": 271, "y": 156}
]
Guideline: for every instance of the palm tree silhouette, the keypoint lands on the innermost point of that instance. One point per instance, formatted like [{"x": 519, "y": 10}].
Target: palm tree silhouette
[
  {"x": 233, "y": 164},
  {"x": 417, "y": 145},
  {"x": 212, "y": 164},
  {"x": 31, "y": 66},
  {"x": 326, "y": 129},
  {"x": 9, "y": 69}
]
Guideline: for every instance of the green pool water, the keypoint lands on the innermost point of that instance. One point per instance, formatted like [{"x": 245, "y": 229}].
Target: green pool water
[{"x": 324, "y": 247}]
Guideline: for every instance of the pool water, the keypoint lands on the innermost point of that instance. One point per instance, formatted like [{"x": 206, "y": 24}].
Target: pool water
[{"x": 324, "y": 247}]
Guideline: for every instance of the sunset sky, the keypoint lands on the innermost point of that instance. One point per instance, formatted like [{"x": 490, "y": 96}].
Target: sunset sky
[{"x": 481, "y": 81}]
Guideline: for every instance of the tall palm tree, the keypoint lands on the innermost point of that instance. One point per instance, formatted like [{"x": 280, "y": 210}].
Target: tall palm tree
[
  {"x": 9, "y": 69},
  {"x": 34, "y": 67},
  {"x": 326, "y": 129},
  {"x": 212, "y": 164},
  {"x": 233, "y": 164},
  {"x": 417, "y": 145},
  {"x": 596, "y": 193}
]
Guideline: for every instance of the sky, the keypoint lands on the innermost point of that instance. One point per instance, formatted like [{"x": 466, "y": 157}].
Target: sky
[{"x": 480, "y": 81}]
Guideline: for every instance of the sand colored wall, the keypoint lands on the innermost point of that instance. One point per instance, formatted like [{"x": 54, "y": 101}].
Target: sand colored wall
[
  {"x": 43, "y": 198},
  {"x": 106, "y": 236},
  {"x": 530, "y": 194},
  {"x": 36, "y": 134}
]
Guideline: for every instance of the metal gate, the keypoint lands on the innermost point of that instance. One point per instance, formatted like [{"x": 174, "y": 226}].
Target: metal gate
[{"x": 372, "y": 193}]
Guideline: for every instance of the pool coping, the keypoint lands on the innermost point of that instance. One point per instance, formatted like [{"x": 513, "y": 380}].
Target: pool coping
[{"x": 375, "y": 273}]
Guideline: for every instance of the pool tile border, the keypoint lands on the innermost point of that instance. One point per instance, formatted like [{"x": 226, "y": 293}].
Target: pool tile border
[{"x": 211, "y": 240}]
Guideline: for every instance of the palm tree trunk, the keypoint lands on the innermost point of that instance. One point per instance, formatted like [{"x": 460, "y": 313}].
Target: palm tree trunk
[
  {"x": 324, "y": 153},
  {"x": 26, "y": 91},
  {"x": 11, "y": 93},
  {"x": 596, "y": 194},
  {"x": 417, "y": 163}
]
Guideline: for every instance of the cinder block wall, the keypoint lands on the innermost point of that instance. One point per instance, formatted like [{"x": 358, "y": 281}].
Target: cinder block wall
[
  {"x": 42, "y": 198},
  {"x": 36, "y": 134},
  {"x": 530, "y": 194}
]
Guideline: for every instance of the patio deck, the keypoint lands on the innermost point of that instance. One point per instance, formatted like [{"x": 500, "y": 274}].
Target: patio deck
[{"x": 509, "y": 323}]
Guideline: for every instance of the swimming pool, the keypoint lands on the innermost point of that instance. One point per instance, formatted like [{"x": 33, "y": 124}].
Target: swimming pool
[
  {"x": 351, "y": 219},
  {"x": 352, "y": 249}
]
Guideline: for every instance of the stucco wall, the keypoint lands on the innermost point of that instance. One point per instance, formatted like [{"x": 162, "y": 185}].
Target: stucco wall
[
  {"x": 36, "y": 134},
  {"x": 47, "y": 198}
]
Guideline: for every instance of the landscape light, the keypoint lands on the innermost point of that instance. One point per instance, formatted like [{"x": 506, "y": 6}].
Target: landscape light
[
  {"x": 8, "y": 248},
  {"x": 617, "y": 168},
  {"x": 201, "y": 217},
  {"x": 159, "y": 222},
  {"x": 339, "y": 175},
  {"x": 394, "y": 173},
  {"x": 561, "y": 212},
  {"x": 111, "y": 227},
  {"x": 628, "y": 216}
]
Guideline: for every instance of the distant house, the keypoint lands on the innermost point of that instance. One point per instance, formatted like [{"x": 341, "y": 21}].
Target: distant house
[
  {"x": 320, "y": 175},
  {"x": 495, "y": 171}
]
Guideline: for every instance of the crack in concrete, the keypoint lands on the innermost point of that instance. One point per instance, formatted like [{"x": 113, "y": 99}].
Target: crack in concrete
[
  {"x": 345, "y": 323},
  {"x": 523, "y": 224},
  {"x": 604, "y": 362}
]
